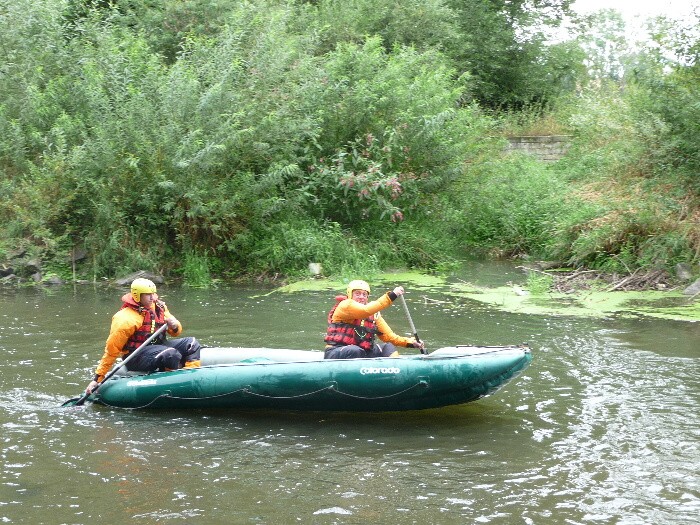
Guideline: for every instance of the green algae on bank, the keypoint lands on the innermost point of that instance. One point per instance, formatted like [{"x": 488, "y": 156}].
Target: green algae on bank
[
  {"x": 516, "y": 299},
  {"x": 658, "y": 304},
  {"x": 379, "y": 283}
]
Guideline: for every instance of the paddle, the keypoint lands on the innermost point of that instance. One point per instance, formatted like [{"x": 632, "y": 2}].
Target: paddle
[
  {"x": 410, "y": 321},
  {"x": 78, "y": 401}
]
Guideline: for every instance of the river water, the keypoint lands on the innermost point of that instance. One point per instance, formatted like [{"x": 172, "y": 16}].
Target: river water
[{"x": 602, "y": 428}]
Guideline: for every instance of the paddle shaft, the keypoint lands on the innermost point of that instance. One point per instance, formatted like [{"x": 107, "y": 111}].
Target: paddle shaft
[
  {"x": 129, "y": 358},
  {"x": 410, "y": 321}
]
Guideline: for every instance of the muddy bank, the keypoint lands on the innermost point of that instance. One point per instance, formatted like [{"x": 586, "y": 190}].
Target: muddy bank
[{"x": 570, "y": 281}]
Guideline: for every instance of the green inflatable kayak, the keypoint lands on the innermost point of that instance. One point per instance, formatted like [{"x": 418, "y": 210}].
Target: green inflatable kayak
[{"x": 252, "y": 378}]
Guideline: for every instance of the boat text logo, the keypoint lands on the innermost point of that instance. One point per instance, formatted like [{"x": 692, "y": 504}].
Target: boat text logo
[{"x": 377, "y": 370}]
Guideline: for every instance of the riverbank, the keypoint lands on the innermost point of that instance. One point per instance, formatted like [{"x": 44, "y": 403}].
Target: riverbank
[{"x": 565, "y": 280}]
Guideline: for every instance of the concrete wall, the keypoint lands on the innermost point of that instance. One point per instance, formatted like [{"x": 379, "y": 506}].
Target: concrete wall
[{"x": 547, "y": 148}]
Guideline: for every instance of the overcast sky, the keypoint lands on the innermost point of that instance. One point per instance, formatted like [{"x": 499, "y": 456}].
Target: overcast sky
[
  {"x": 644, "y": 8},
  {"x": 636, "y": 12}
]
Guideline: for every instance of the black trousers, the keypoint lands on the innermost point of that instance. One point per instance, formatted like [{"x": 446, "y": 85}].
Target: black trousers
[
  {"x": 354, "y": 351},
  {"x": 169, "y": 356}
]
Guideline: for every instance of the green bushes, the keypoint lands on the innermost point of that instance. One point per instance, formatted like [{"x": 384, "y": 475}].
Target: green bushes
[
  {"x": 196, "y": 271},
  {"x": 636, "y": 201},
  {"x": 253, "y": 138},
  {"x": 620, "y": 232},
  {"x": 287, "y": 248},
  {"x": 511, "y": 205},
  {"x": 669, "y": 120}
]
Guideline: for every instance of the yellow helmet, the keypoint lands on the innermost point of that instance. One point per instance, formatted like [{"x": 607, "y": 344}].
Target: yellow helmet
[
  {"x": 357, "y": 284},
  {"x": 139, "y": 286}
]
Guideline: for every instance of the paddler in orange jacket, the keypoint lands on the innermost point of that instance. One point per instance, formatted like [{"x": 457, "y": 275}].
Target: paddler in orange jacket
[
  {"x": 353, "y": 324},
  {"x": 141, "y": 314}
]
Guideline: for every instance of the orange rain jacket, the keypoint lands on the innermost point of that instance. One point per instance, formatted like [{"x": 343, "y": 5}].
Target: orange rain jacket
[
  {"x": 124, "y": 324},
  {"x": 349, "y": 310}
]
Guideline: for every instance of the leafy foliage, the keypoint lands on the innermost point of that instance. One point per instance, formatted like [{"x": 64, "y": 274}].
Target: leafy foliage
[
  {"x": 502, "y": 46},
  {"x": 511, "y": 205},
  {"x": 214, "y": 137}
]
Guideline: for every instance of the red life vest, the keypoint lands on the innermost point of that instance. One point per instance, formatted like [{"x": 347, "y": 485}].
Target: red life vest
[
  {"x": 360, "y": 332},
  {"x": 152, "y": 321}
]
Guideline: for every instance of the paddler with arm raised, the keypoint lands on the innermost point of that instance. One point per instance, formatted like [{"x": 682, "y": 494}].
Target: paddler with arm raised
[{"x": 354, "y": 324}]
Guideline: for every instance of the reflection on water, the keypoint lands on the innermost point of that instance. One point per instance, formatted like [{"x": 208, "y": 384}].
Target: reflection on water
[{"x": 602, "y": 428}]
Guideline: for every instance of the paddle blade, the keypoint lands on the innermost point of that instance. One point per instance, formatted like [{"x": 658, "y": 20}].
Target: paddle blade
[{"x": 76, "y": 401}]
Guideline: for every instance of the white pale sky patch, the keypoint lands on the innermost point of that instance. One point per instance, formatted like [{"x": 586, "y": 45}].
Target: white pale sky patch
[
  {"x": 645, "y": 9},
  {"x": 636, "y": 13}
]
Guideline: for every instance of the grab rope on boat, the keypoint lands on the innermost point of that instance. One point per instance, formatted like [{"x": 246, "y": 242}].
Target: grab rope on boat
[{"x": 246, "y": 390}]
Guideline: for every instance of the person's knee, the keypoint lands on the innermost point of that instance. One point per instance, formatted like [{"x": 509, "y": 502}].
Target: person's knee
[
  {"x": 345, "y": 352},
  {"x": 193, "y": 350},
  {"x": 388, "y": 350},
  {"x": 168, "y": 359},
  {"x": 188, "y": 347}
]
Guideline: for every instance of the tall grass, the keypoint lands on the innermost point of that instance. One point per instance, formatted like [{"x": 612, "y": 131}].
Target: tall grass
[
  {"x": 195, "y": 270},
  {"x": 509, "y": 206}
]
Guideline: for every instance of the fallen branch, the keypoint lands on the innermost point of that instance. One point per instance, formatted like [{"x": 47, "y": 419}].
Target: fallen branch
[
  {"x": 577, "y": 274},
  {"x": 624, "y": 281}
]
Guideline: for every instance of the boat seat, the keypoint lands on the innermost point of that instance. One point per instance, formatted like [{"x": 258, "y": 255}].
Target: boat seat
[{"x": 228, "y": 356}]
